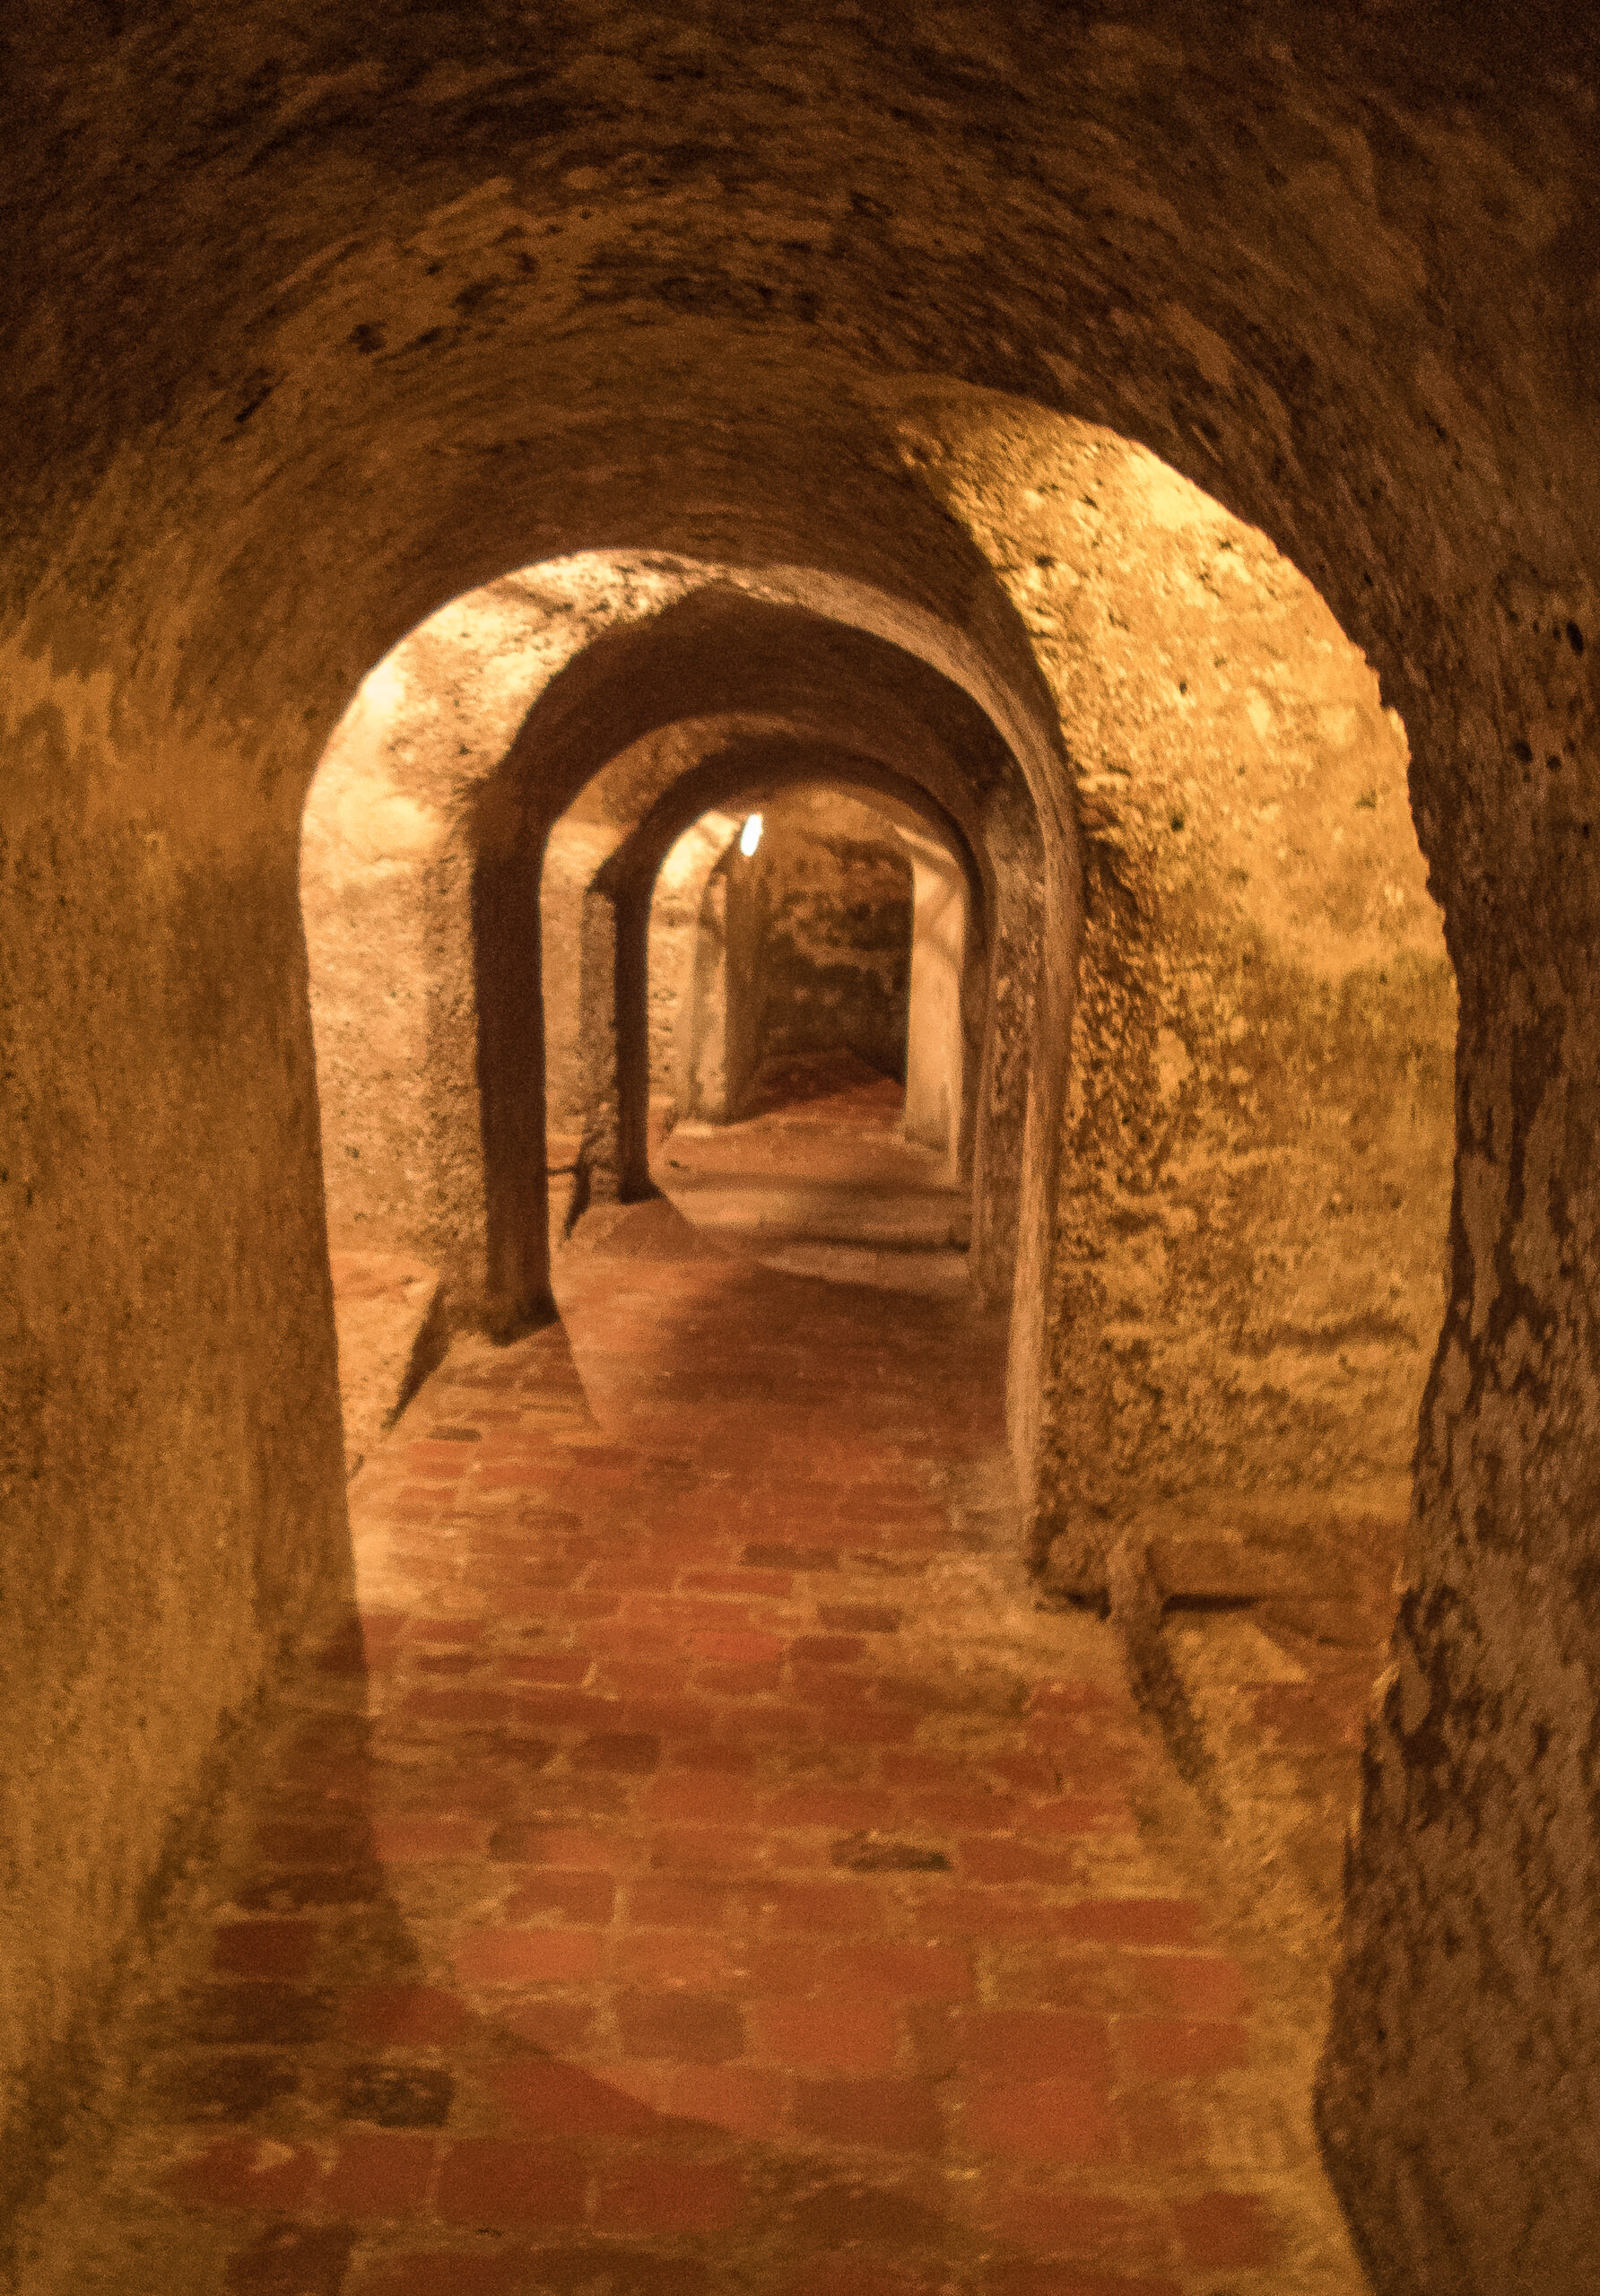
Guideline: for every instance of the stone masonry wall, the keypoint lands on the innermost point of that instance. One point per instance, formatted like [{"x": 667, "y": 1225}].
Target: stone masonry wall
[
  {"x": 1250, "y": 1258},
  {"x": 823, "y": 959}
]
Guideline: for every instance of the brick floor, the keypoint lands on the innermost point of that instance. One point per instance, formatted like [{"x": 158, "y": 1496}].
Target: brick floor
[{"x": 701, "y": 1868}]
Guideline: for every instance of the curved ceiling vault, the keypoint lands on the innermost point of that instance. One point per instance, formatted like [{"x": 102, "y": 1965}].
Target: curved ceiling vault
[{"x": 742, "y": 769}]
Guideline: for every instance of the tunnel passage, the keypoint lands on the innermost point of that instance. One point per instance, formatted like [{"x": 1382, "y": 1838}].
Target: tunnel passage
[
  {"x": 1292, "y": 864},
  {"x": 804, "y": 945},
  {"x": 1264, "y": 1009},
  {"x": 869, "y": 914},
  {"x": 460, "y": 312},
  {"x": 814, "y": 954},
  {"x": 815, "y": 941},
  {"x": 1261, "y": 995},
  {"x": 744, "y": 691},
  {"x": 501, "y": 748},
  {"x": 626, "y": 1009},
  {"x": 1225, "y": 1323}
]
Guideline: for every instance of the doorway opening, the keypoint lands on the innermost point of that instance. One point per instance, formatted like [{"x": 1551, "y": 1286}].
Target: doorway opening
[
  {"x": 808, "y": 1050},
  {"x": 802, "y": 958}
]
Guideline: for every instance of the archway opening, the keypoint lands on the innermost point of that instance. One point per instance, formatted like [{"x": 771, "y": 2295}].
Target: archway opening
[
  {"x": 571, "y": 756},
  {"x": 469, "y": 294},
  {"x": 809, "y": 1001},
  {"x": 785, "y": 1427},
  {"x": 802, "y": 958},
  {"x": 1221, "y": 1324}
]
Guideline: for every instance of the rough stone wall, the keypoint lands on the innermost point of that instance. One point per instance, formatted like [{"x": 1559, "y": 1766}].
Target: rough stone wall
[
  {"x": 577, "y": 851},
  {"x": 819, "y": 935},
  {"x": 171, "y": 1518},
  {"x": 937, "y": 1109},
  {"x": 1251, "y": 1255},
  {"x": 1462, "y": 2076},
  {"x": 730, "y": 1003},
  {"x": 714, "y": 1071},
  {"x": 330, "y": 317},
  {"x": 676, "y": 912}
]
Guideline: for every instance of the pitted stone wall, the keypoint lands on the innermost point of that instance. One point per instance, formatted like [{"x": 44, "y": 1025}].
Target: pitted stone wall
[
  {"x": 1250, "y": 1259},
  {"x": 676, "y": 908},
  {"x": 830, "y": 967}
]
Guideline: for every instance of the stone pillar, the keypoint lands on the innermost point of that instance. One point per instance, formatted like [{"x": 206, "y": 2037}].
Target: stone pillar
[
  {"x": 935, "y": 1062},
  {"x": 706, "y": 1081},
  {"x": 600, "y": 1152}
]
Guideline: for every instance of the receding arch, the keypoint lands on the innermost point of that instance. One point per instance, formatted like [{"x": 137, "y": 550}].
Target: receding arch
[
  {"x": 943, "y": 1031},
  {"x": 678, "y": 647},
  {"x": 715, "y": 652},
  {"x": 738, "y": 775}
]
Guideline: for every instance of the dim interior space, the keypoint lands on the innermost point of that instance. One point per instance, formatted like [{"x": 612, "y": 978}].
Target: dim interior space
[{"x": 797, "y": 1058}]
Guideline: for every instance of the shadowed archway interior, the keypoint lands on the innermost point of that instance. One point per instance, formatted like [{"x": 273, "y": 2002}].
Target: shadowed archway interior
[{"x": 858, "y": 933}]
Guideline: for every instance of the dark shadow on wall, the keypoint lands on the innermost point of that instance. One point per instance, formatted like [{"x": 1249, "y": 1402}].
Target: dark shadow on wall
[{"x": 510, "y": 1065}]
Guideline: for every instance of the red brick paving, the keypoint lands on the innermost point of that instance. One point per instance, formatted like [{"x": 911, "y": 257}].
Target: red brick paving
[{"x": 651, "y": 1900}]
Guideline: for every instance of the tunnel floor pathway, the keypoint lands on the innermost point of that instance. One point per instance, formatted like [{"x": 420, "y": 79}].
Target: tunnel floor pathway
[{"x": 703, "y": 1868}]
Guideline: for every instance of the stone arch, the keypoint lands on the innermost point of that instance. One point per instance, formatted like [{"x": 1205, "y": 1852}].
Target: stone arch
[
  {"x": 940, "y": 1066},
  {"x": 1139, "y": 915},
  {"x": 621, "y": 895},
  {"x": 688, "y": 659}
]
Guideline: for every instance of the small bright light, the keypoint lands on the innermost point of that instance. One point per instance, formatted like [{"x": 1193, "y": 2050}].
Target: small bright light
[{"x": 749, "y": 836}]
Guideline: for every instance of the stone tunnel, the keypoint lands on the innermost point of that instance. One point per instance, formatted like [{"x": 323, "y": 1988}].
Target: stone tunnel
[{"x": 799, "y": 1047}]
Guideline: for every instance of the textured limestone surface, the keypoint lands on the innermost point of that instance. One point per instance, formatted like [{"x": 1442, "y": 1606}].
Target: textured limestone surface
[
  {"x": 1250, "y": 1247},
  {"x": 826, "y": 900},
  {"x": 675, "y": 911},
  {"x": 683, "y": 1048},
  {"x": 328, "y": 318}
]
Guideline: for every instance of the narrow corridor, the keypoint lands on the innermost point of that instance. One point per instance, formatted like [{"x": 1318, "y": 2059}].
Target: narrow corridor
[
  {"x": 706, "y": 1869},
  {"x": 820, "y": 1180},
  {"x": 556, "y": 556}
]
